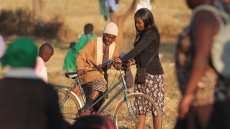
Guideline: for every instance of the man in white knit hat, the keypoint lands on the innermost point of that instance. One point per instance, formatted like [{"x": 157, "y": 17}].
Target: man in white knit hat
[{"x": 96, "y": 51}]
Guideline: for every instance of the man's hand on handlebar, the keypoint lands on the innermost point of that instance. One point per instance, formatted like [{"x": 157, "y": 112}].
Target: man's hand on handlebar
[{"x": 117, "y": 63}]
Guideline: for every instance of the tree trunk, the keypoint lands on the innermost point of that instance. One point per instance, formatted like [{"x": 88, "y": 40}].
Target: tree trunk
[{"x": 122, "y": 18}]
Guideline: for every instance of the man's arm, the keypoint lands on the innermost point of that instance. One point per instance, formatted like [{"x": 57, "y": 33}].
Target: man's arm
[{"x": 83, "y": 55}]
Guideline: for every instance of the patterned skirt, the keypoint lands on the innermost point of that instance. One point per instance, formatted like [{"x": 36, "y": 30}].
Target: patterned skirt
[{"x": 154, "y": 87}]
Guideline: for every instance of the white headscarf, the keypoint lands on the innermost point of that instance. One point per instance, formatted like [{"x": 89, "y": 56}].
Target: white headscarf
[
  {"x": 2, "y": 46},
  {"x": 111, "y": 28}
]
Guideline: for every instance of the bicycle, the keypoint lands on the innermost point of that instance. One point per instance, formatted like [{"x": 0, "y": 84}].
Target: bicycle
[
  {"x": 70, "y": 101},
  {"x": 124, "y": 115}
]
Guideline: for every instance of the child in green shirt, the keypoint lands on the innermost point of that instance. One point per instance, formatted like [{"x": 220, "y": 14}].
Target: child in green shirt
[{"x": 70, "y": 59}]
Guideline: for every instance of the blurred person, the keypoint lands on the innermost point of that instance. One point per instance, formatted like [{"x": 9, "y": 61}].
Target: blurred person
[
  {"x": 2, "y": 50},
  {"x": 144, "y": 4},
  {"x": 108, "y": 9},
  {"x": 93, "y": 122},
  {"x": 70, "y": 58},
  {"x": 205, "y": 101},
  {"x": 2, "y": 46},
  {"x": 69, "y": 61},
  {"x": 44, "y": 54},
  {"x": 97, "y": 51},
  {"x": 27, "y": 102},
  {"x": 149, "y": 75}
]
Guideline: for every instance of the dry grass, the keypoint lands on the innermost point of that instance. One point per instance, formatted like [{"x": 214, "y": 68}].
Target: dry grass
[{"x": 170, "y": 17}]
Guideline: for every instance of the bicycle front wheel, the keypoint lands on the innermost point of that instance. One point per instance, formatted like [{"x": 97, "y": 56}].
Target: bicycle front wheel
[
  {"x": 69, "y": 104},
  {"x": 125, "y": 114}
]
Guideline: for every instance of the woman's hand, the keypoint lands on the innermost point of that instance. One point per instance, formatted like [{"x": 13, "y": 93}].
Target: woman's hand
[
  {"x": 131, "y": 61},
  {"x": 185, "y": 105}
]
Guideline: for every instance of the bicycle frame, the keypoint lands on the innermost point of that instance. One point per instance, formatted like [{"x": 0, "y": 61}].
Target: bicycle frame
[
  {"x": 125, "y": 103},
  {"x": 123, "y": 88},
  {"x": 78, "y": 83},
  {"x": 69, "y": 91}
]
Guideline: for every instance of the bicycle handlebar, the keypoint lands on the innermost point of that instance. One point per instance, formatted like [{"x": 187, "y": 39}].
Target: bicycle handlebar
[{"x": 73, "y": 75}]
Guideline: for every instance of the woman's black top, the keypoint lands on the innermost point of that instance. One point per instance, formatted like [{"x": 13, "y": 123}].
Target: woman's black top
[{"x": 146, "y": 46}]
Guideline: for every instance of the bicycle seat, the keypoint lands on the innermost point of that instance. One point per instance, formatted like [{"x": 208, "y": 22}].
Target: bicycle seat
[{"x": 71, "y": 75}]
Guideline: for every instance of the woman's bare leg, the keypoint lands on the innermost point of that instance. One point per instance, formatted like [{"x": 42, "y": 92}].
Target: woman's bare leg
[
  {"x": 157, "y": 123},
  {"x": 141, "y": 121}
]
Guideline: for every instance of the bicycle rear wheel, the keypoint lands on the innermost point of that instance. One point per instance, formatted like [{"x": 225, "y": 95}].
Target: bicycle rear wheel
[
  {"x": 69, "y": 104},
  {"x": 125, "y": 114}
]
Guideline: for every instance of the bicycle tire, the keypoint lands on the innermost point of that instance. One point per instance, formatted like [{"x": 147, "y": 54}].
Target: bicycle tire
[
  {"x": 70, "y": 107},
  {"x": 125, "y": 120}
]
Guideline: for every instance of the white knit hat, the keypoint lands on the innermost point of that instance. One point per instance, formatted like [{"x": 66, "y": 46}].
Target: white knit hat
[{"x": 111, "y": 28}]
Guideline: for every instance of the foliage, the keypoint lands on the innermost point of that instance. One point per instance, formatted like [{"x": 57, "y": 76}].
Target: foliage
[{"x": 21, "y": 22}]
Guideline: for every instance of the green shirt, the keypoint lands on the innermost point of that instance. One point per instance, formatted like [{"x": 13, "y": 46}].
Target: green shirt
[{"x": 70, "y": 58}]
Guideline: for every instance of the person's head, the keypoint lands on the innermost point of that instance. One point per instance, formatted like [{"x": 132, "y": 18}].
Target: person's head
[
  {"x": 20, "y": 53},
  {"x": 46, "y": 51},
  {"x": 88, "y": 28},
  {"x": 93, "y": 122},
  {"x": 143, "y": 19},
  {"x": 110, "y": 33}
]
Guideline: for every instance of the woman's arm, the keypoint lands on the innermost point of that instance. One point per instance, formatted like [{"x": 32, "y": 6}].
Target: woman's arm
[{"x": 147, "y": 38}]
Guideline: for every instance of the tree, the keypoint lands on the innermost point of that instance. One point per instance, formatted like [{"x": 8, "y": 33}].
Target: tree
[{"x": 122, "y": 18}]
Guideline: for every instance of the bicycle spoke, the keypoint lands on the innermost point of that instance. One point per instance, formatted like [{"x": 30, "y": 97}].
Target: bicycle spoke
[
  {"x": 131, "y": 111},
  {"x": 126, "y": 113},
  {"x": 69, "y": 105}
]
